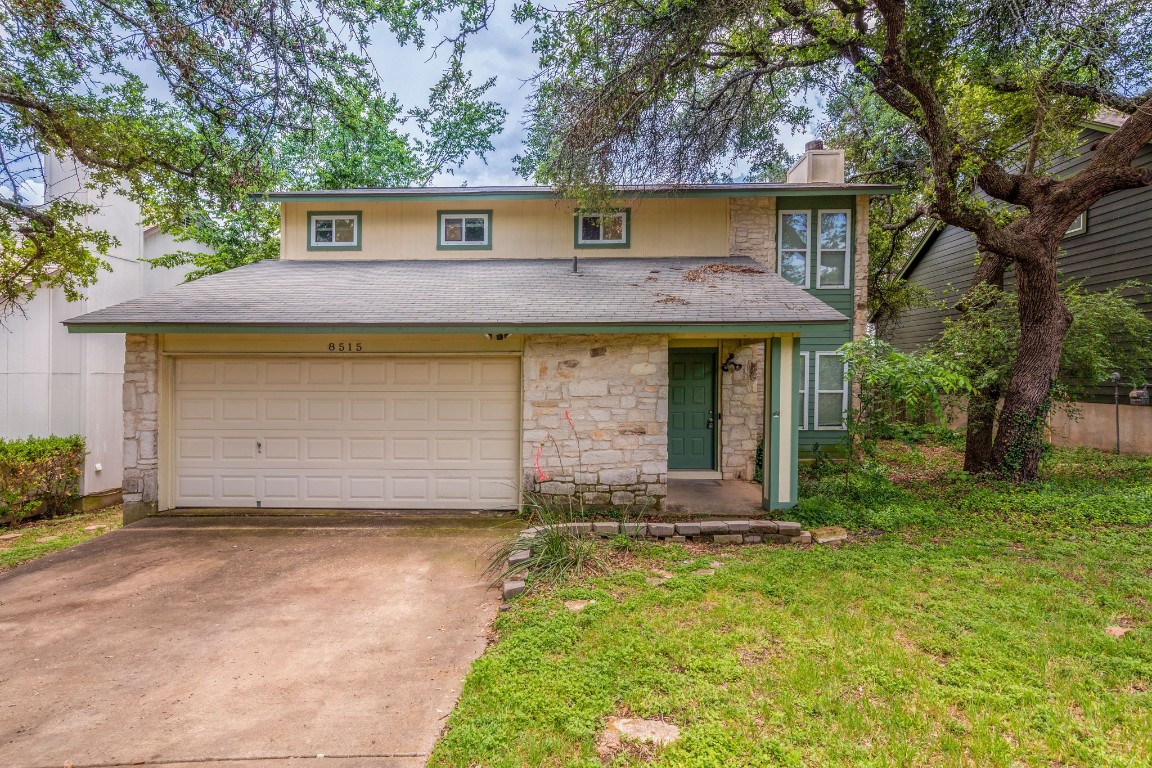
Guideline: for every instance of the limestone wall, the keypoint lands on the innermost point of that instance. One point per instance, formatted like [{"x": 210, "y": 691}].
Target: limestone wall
[
  {"x": 741, "y": 408},
  {"x": 615, "y": 390},
  {"x": 752, "y": 229},
  {"x": 141, "y": 408}
]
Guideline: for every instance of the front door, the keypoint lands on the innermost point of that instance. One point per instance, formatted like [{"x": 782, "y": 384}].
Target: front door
[{"x": 691, "y": 409}]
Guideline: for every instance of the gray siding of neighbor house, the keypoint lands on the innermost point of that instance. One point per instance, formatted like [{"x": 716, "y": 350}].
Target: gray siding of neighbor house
[{"x": 1115, "y": 248}]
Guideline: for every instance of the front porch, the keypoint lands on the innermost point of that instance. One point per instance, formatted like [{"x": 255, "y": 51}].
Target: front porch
[{"x": 696, "y": 498}]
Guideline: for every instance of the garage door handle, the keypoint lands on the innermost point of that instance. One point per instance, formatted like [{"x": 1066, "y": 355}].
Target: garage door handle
[{"x": 259, "y": 446}]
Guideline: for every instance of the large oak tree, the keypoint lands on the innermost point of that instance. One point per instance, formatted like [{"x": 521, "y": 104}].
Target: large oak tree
[{"x": 686, "y": 90}]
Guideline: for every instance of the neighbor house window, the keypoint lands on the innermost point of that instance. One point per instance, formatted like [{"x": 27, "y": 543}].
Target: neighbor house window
[
  {"x": 1078, "y": 226},
  {"x": 832, "y": 250},
  {"x": 465, "y": 229},
  {"x": 602, "y": 230},
  {"x": 794, "y": 247},
  {"x": 803, "y": 390},
  {"x": 334, "y": 231},
  {"x": 831, "y": 391}
]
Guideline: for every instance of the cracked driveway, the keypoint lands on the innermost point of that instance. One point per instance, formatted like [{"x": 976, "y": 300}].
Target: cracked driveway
[{"x": 244, "y": 641}]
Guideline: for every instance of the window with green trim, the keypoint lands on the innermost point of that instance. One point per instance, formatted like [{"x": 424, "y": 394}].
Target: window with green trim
[
  {"x": 831, "y": 391},
  {"x": 794, "y": 244},
  {"x": 465, "y": 229},
  {"x": 832, "y": 264},
  {"x": 602, "y": 230},
  {"x": 337, "y": 231}
]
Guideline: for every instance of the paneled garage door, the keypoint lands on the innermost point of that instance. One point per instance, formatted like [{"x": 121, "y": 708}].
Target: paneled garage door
[{"x": 369, "y": 433}]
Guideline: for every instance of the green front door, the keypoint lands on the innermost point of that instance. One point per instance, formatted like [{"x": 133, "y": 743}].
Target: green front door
[{"x": 691, "y": 409}]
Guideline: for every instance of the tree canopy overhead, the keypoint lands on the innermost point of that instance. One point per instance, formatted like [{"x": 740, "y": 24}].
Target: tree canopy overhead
[
  {"x": 177, "y": 104},
  {"x": 674, "y": 90}
]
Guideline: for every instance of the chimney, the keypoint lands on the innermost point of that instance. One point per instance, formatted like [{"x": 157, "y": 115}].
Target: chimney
[{"x": 818, "y": 165}]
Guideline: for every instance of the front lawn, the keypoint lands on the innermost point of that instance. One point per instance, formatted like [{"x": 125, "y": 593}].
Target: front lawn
[
  {"x": 966, "y": 624},
  {"x": 42, "y": 537}
]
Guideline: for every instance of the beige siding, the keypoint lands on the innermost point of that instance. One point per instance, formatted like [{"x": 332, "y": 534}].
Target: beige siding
[
  {"x": 521, "y": 229},
  {"x": 317, "y": 344}
]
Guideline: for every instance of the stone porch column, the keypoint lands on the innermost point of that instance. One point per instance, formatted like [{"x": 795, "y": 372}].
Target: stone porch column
[
  {"x": 141, "y": 408},
  {"x": 782, "y": 423}
]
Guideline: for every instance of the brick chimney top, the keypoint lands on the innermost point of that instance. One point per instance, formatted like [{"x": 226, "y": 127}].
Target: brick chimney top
[{"x": 814, "y": 144}]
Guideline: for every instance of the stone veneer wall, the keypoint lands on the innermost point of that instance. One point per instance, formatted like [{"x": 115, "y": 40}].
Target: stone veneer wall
[
  {"x": 752, "y": 229},
  {"x": 741, "y": 408},
  {"x": 615, "y": 388},
  {"x": 141, "y": 404}
]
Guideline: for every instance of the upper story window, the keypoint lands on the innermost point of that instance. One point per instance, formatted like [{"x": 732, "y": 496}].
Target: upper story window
[
  {"x": 465, "y": 229},
  {"x": 794, "y": 239},
  {"x": 832, "y": 246},
  {"x": 334, "y": 231},
  {"x": 603, "y": 230},
  {"x": 832, "y": 250},
  {"x": 1078, "y": 226}
]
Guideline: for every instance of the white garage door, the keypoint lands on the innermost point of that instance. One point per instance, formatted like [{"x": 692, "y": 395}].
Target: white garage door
[{"x": 369, "y": 433}]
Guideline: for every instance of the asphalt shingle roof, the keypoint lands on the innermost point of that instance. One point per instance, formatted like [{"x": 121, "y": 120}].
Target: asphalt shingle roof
[{"x": 478, "y": 292}]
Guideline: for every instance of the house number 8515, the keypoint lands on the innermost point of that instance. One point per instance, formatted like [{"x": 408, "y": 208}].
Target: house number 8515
[{"x": 345, "y": 346}]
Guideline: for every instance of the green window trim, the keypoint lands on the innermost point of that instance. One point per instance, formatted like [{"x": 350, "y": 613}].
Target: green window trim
[
  {"x": 804, "y": 391},
  {"x": 576, "y": 230},
  {"x": 441, "y": 245},
  {"x": 310, "y": 242}
]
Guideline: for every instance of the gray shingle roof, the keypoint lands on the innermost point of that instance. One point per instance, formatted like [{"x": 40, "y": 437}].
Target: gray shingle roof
[{"x": 486, "y": 293}]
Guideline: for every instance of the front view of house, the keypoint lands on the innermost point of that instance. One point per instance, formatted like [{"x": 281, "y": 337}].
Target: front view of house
[{"x": 435, "y": 349}]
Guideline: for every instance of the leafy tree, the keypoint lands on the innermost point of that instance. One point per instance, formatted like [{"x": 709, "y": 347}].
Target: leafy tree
[
  {"x": 656, "y": 91},
  {"x": 229, "y": 78}
]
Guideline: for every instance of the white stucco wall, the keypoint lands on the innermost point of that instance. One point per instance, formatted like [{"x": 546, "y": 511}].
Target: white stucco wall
[{"x": 53, "y": 382}]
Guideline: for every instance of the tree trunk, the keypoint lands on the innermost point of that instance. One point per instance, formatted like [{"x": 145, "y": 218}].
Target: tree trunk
[
  {"x": 1044, "y": 321},
  {"x": 980, "y": 429},
  {"x": 982, "y": 405}
]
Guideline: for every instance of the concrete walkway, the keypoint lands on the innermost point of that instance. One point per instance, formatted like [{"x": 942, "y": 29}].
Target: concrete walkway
[{"x": 238, "y": 642}]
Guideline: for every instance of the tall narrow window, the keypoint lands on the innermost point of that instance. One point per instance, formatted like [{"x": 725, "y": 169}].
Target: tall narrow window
[
  {"x": 465, "y": 229},
  {"x": 803, "y": 391},
  {"x": 831, "y": 391},
  {"x": 603, "y": 230},
  {"x": 794, "y": 241},
  {"x": 832, "y": 250},
  {"x": 334, "y": 231}
]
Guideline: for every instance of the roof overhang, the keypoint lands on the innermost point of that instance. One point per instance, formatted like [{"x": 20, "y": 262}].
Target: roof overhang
[
  {"x": 447, "y": 194},
  {"x": 719, "y": 329}
]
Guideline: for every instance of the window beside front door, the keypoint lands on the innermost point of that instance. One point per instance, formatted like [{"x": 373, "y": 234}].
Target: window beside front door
[
  {"x": 334, "y": 231},
  {"x": 831, "y": 391},
  {"x": 603, "y": 230},
  {"x": 465, "y": 229}
]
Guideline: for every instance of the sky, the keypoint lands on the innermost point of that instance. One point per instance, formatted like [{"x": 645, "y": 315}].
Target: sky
[{"x": 504, "y": 50}]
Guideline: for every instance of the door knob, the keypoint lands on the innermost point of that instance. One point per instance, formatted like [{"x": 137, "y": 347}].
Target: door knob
[{"x": 711, "y": 421}]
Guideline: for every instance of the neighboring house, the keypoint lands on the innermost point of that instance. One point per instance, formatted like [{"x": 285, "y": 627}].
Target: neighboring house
[
  {"x": 1107, "y": 246},
  {"x": 52, "y": 382},
  {"x": 438, "y": 348}
]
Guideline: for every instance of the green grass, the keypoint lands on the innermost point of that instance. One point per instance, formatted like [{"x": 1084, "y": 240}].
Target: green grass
[
  {"x": 969, "y": 632},
  {"x": 70, "y": 531}
]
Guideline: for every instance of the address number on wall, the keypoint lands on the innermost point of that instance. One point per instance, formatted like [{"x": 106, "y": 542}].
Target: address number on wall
[{"x": 345, "y": 346}]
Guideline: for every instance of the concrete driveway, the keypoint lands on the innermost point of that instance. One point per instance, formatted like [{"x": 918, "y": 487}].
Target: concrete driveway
[{"x": 244, "y": 642}]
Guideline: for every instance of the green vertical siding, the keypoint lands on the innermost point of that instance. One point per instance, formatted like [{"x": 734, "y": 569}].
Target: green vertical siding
[{"x": 825, "y": 338}]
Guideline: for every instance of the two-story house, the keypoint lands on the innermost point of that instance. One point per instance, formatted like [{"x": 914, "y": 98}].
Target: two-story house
[{"x": 439, "y": 348}]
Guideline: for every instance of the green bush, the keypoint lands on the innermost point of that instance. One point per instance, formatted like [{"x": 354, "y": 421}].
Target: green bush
[{"x": 39, "y": 476}]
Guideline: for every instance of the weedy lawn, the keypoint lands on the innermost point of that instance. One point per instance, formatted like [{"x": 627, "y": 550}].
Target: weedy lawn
[
  {"x": 965, "y": 624},
  {"x": 43, "y": 537}
]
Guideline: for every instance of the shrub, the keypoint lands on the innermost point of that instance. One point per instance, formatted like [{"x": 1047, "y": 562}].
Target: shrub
[
  {"x": 39, "y": 476},
  {"x": 555, "y": 551}
]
